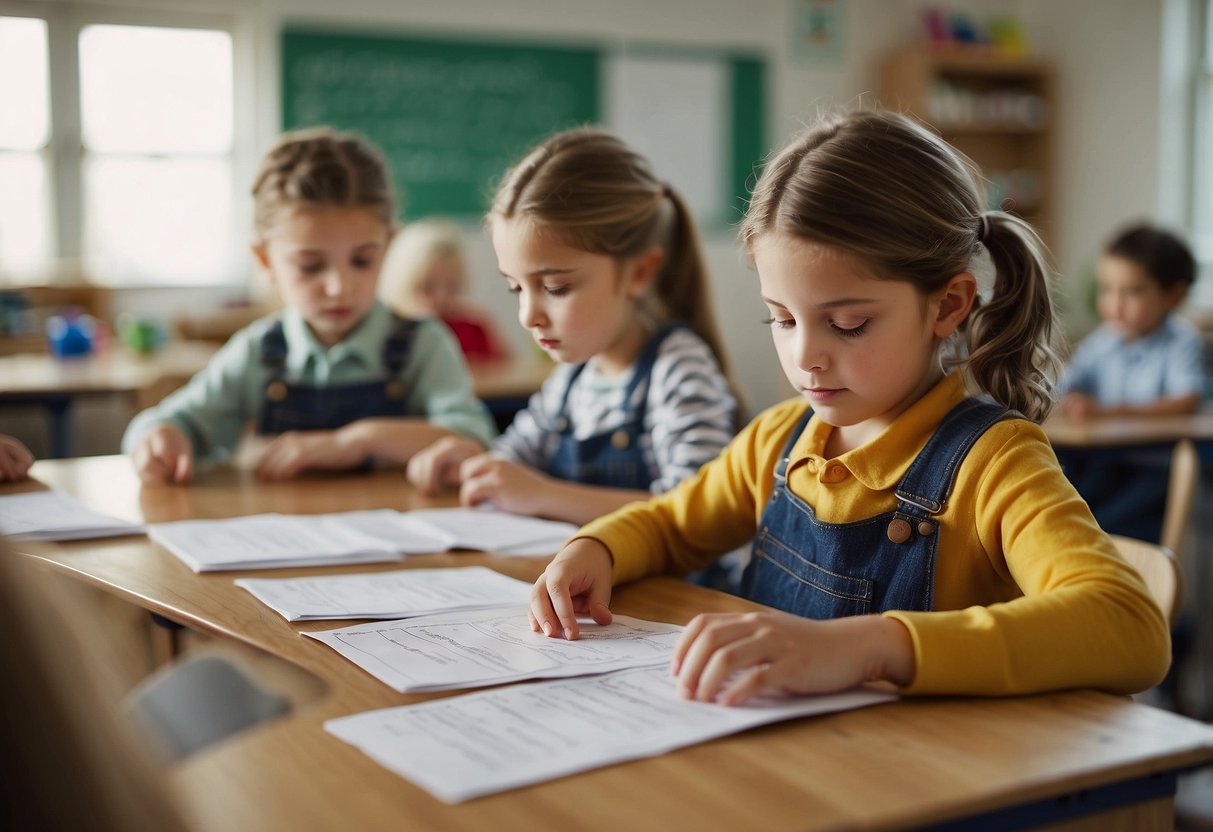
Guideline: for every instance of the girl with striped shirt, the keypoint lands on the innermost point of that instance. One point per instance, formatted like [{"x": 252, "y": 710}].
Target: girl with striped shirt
[{"x": 606, "y": 263}]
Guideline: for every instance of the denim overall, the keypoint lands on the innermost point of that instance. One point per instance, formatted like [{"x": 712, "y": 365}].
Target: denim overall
[
  {"x": 615, "y": 458},
  {"x": 293, "y": 406},
  {"x": 887, "y": 562}
]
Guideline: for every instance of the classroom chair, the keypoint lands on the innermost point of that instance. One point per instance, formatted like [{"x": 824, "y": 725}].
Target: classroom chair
[
  {"x": 188, "y": 706},
  {"x": 1181, "y": 493},
  {"x": 1158, "y": 568}
]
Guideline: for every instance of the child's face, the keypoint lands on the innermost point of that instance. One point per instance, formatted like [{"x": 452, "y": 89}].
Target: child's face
[
  {"x": 442, "y": 286},
  {"x": 575, "y": 304},
  {"x": 1130, "y": 300},
  {"x": 860, "y": 349},
  {"x": 325, "y": 262}
]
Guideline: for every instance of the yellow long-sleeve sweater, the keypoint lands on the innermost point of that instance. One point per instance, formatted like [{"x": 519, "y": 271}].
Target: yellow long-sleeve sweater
[{"x": 1030, "y": 595}]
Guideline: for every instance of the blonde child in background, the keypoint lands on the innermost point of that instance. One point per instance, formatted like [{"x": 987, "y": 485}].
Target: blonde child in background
[
  {"x": 425, "y": 276},
  {"x": 15, "y": 459},
  {"x": 335, "y": 380},
  {"x": 906, "y": 531},
  {"x": 610, "y": 280},
  {"x": 1142, "y": 361}
]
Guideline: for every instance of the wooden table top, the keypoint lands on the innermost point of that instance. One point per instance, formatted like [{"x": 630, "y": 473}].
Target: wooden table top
[
  {"x": 1128, "y": 430},
  {"x": 892, "y": 766},
  {"x": 121, "y": 370}
]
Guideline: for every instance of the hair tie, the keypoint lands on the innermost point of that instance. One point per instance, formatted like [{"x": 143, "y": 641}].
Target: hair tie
[{"x": 983, "y": 233}]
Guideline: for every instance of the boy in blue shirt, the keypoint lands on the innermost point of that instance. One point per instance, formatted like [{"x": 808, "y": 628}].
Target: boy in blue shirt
[{"x": 1141, "y": 361}]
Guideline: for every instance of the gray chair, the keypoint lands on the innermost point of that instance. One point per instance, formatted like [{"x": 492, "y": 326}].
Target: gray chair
[{"x": 188, "y": 706}]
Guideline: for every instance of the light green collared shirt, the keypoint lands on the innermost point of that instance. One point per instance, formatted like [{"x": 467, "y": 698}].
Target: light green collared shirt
[{"x": 214, "y": 409}]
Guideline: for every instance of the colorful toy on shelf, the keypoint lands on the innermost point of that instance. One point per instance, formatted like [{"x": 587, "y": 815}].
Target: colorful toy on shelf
[
  {"x": 959, "y": 30},
  {"x": 70, "y": 334}
]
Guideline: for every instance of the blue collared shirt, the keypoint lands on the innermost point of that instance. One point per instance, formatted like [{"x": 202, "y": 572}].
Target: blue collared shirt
[
  {"x": 214, "y": 409},
  {"x": 1167, "y": 363}
]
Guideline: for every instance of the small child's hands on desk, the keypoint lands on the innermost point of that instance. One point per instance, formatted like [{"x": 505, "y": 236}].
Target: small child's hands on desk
[
  {"x": 510, "y": 485},
  {"x": 290, "y": 454},
  {"x": 437, "y": 466},
  {"x": 730, "y": 657},
  {"x": 164, "y": 455},
  {"x": 15, "y": 459},
  {"x": 576, "y": 582}
]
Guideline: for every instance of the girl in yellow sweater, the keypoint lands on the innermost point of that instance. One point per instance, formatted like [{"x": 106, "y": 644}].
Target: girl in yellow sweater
[{"x": 907, "y": 531}]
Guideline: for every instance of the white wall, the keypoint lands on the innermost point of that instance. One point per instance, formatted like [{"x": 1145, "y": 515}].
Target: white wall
[{"x": 1107, "y": 56}]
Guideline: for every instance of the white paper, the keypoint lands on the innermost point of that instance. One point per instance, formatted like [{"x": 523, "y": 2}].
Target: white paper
[
  {"x": 263, "y": 541},
  {"x": 491, "y": 530},
  {"x": 399, "y": 594},
  {"x": 467, "y": 746},
  {"x": 53, "y": 515},
  {"x": 470, "y": 649}
]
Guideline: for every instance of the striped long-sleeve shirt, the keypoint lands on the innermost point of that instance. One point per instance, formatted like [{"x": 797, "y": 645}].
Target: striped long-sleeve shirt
[{"x": 690, "y": 413}]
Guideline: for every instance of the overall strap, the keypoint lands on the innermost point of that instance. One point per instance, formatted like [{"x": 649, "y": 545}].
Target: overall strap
[
  {"x": 399, "y": 344},
  {"x": 273, "y": 350},
  {"x": 643, "y": 368},
  {"x": 781, "y": 469},
  {"x": 561, "y": 422},
  {"x": 929, "y": 480}
]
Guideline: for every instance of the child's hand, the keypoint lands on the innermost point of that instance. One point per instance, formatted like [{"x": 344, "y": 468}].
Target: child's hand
[
  {"x": 512, "y": 486},
  {"x": 15, "y": 459},
  {"x": 165, "y": 455},
  {"x": 1079, "y": 407},
  {"x": 576, "y": 582},
  {"x": 437, "y": 467},
  {"x": 730, "y": 657},
  {"x": 290, "y": 454}
]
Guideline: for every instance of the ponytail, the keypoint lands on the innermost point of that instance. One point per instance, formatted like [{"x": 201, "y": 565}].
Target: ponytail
[{"x": 1012, "y": 356}]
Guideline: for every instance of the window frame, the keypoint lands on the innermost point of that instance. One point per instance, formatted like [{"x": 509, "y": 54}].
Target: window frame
[{"x": 65, "y": 152}]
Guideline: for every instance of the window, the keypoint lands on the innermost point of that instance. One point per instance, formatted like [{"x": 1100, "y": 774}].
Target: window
[
  {"x": 26, "y": 241},
  {"x": 1201, "y": 198},
  {"x": 144, "y": 196}
]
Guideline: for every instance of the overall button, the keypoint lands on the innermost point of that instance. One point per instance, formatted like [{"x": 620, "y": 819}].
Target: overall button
[
  {"x": 926, "y": 528},
  {"x": 395, "y": 389},
  {"x": 620, "y": 440},
  {"x": 899, "y": 530},
  {"x": 276, "y": 392}
]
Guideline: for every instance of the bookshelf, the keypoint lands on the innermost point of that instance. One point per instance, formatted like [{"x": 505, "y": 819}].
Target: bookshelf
[{"x": 997, "y": 110}]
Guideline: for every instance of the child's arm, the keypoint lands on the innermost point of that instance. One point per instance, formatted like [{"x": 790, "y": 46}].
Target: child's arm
[
  {"x": 437, "y": 466},
  {"x": 732, "y": 656},
  {"x": 165, "y": 454},
  {"x": 523, "y": 490},
  {"x": 388, "y": 439},
  {"x": 440, "y": 387},
  {"x": 15, "y": 459}
]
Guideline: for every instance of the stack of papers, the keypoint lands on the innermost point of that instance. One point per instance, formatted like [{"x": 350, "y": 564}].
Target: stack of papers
[
  {"x": 264, "y": 541},
  {"x": 462, "y": 650},
  {"x": 398, "y": 594},
  {"x": 491, "y": 530},
  {"x": 466, "y": 746},
  {"x": 53, "y": 515}
]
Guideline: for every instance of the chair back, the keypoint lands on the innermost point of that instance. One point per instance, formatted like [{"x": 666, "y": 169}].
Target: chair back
[
  {"x": 1158, "y": 568},
  {"x": 1181, "y": 493}
]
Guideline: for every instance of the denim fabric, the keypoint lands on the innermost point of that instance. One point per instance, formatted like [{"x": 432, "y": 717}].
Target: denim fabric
[
  {"x": 828, "y": 570},
  {"x": 293, "y": 406},
  {"x": 615, "y": 458}
]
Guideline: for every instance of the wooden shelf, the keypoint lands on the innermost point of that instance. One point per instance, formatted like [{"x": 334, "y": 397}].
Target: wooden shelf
[{"x": 998, "y": 110}]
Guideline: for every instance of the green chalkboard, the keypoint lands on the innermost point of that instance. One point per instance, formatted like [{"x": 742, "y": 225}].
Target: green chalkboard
[{"x": 451, "y": 116}]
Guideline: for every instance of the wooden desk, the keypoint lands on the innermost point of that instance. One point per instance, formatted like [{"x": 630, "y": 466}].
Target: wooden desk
[
  {"x": 55, "y": 383},
  {"x": 1129, "y": 430},
  {"x": 902, "y": 765}
]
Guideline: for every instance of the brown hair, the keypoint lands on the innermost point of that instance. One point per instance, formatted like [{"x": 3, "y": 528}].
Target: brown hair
[
  {"x": 320, "y": 167},
  {"x": 599, "y": 195},
  {"x": 883, "y": 187}
]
